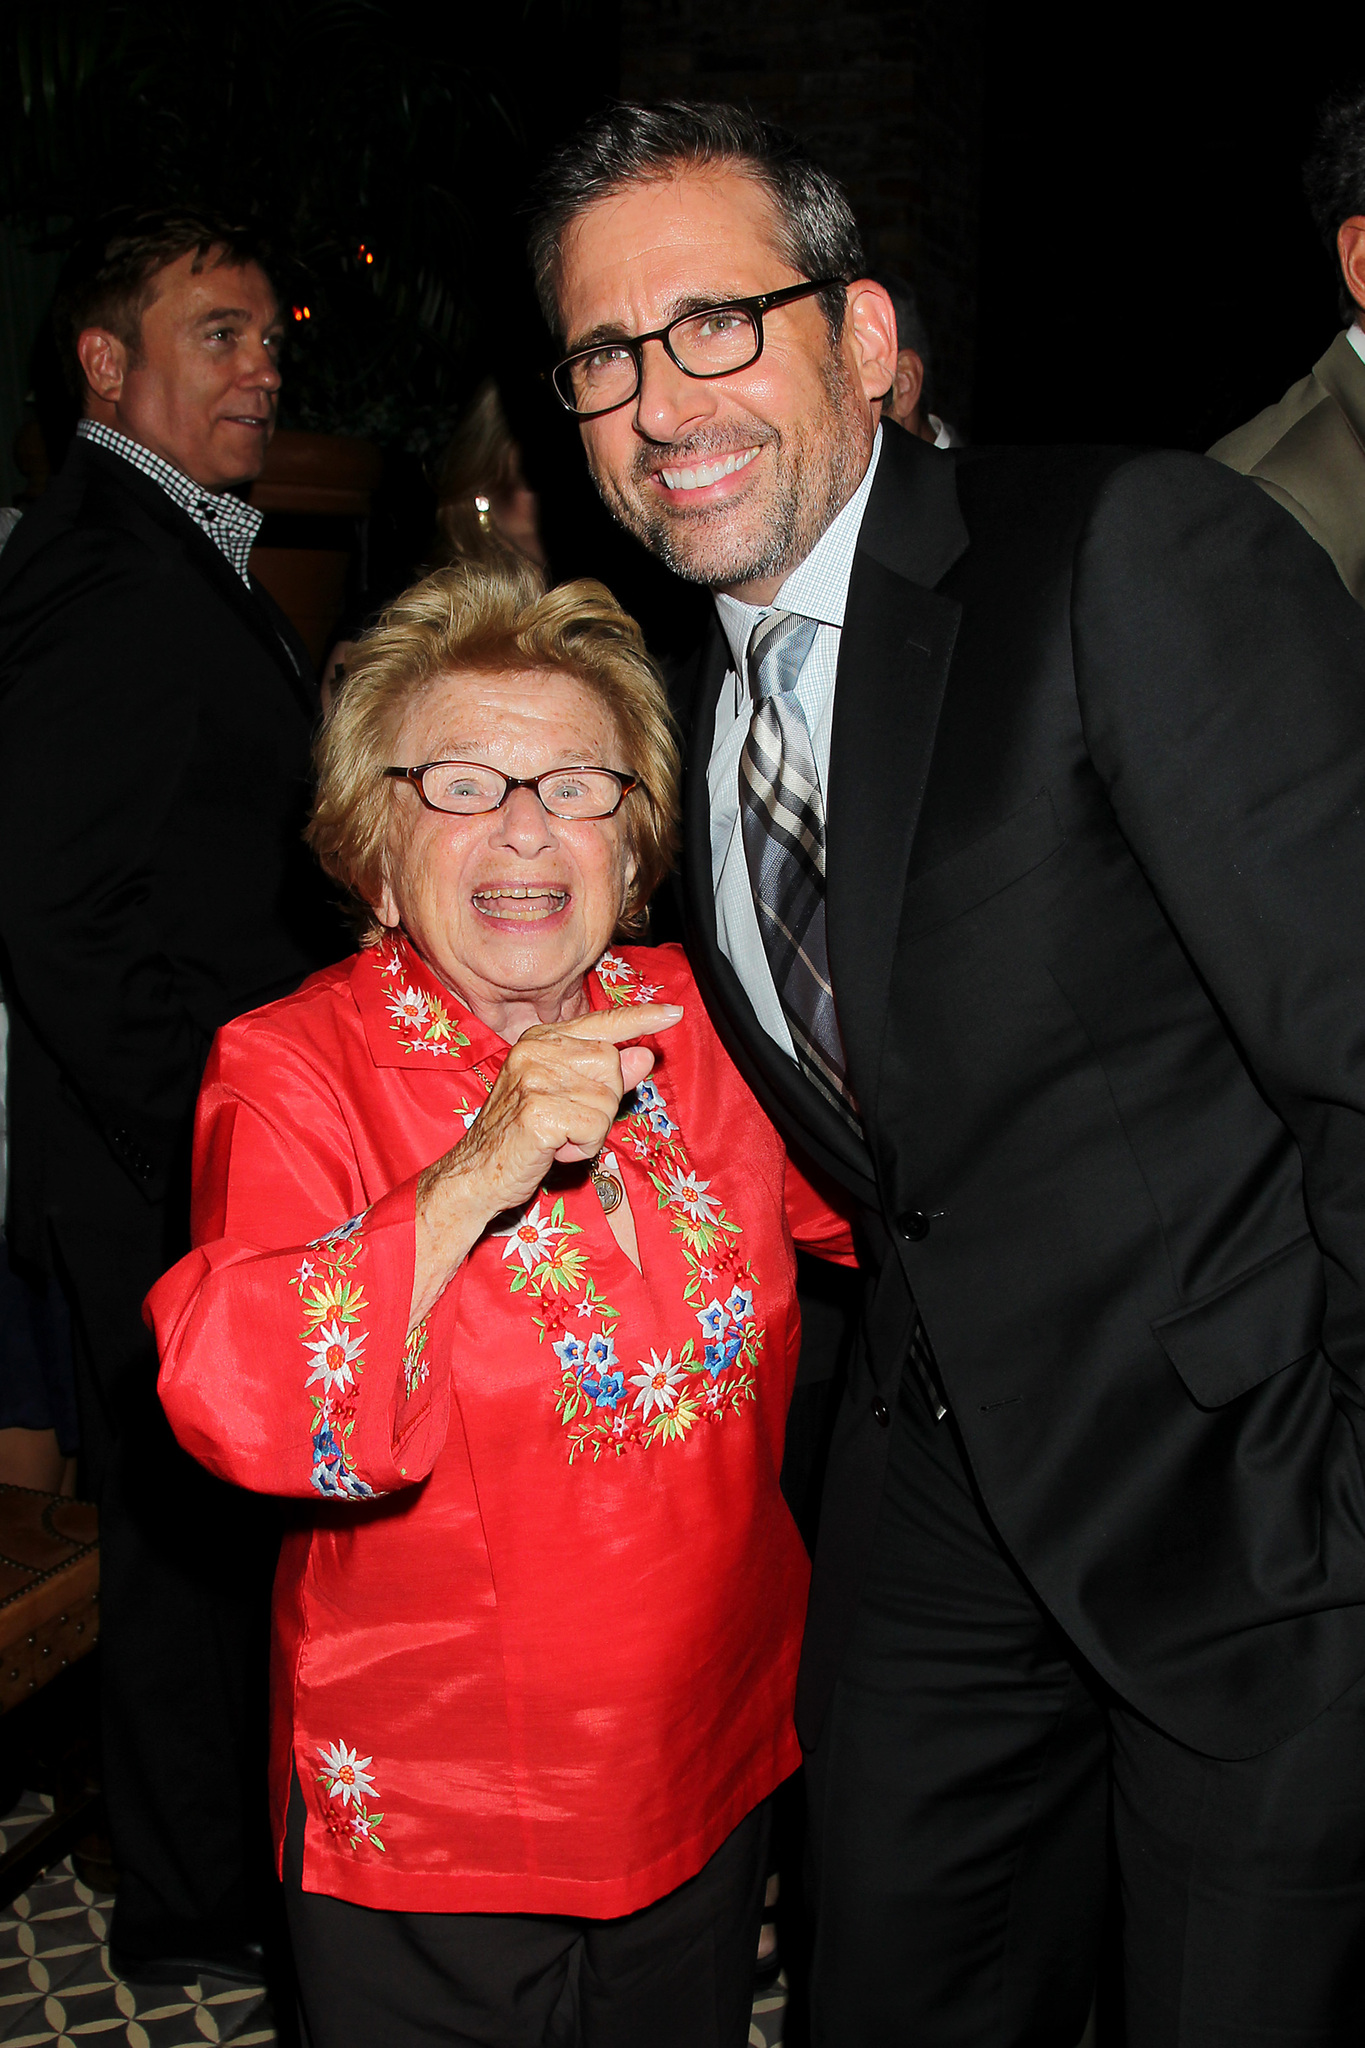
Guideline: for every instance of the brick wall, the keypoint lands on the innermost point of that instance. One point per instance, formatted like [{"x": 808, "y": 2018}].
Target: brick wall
[{"x": 889, "y": 97}]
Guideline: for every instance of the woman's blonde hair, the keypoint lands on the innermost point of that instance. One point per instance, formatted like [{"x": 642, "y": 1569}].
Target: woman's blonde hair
[{"x": 489, "y": 619}]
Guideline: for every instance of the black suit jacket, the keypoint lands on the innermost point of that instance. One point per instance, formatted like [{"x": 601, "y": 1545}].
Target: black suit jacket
[
  {"x": 155, "y": 722},
  {"x": 1096, "y": 861}
]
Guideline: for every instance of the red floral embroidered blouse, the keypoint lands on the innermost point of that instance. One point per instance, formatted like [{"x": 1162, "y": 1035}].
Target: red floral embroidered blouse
[{"x": 535, "y": 1649}]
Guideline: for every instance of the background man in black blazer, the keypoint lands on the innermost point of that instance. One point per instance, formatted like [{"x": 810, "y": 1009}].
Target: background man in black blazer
[
  {"x": 1053, "y": 764},
  {"x": 155, "y": 717}
]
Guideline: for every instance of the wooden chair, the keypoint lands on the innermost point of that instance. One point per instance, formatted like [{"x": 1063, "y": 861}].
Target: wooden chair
[{"x": 49, "y": 1620}]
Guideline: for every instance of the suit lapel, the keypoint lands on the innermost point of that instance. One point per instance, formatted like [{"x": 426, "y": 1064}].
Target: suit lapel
[
  {"x": 251, "y": 606},
  {"x": 894, "y": 654},
  {"x": 1342, "y": 373}
]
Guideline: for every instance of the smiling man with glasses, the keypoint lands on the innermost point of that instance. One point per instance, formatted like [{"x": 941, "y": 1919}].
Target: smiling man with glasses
[{"x": 1024, "y": 843}]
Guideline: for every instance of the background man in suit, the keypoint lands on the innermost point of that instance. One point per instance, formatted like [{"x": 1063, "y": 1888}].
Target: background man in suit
[
  {"x": 1308, "y": 451},
  {"x": 1052, "y": 766},
  {"x": 155, "y": 717}
]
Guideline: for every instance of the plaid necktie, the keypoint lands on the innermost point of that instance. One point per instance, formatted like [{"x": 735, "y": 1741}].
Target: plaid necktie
[{"x": 783, "y": 821}]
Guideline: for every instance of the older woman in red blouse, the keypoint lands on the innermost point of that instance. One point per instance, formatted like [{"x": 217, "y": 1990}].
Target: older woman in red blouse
[{"x": 495, "y": 1267}]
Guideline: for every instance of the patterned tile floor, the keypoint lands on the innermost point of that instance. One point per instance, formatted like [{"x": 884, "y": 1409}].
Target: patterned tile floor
[{"x": 56, "y": 1987}]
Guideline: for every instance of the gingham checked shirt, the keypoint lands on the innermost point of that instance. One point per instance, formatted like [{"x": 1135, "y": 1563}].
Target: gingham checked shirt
[
  {"x": 818, "y": 589},
  {"x": 230, "y": 523}
]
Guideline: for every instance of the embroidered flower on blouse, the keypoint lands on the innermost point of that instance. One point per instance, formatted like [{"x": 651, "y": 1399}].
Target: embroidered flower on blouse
[
  {"x": 658, "y": 1384},
  {"x": 345, "y": 1774},
  {"x": 346, "y": 1779},
  {"x": 613, "y": 971},
  {"x": 340, "y": 1235},
  {"x": 571, "y": 1352},
  {"x": 415, "y": 1368},
  {"x": 714, "y": 1320},
  {"x": 608, "y": 1391},
  {"x": 334, "y": 1353},
  {"x": 409, "y": 1006},
  {"x": 688, "y": 1193},
  {"x": 740, "y": 1304},
  {"x": 333, "y": 1300},
  {"x": 421, "y": 1019},
  {"x": 532, "y": 1238}
]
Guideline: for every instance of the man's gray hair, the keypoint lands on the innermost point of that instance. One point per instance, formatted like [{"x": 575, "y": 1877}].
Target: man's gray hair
[{"x": 631, "y": 144}]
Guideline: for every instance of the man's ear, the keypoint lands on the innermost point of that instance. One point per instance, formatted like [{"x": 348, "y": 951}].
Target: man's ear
[
  {"x": 909, "y": 386},
  {"x": 872, "y": 330},
  {"x": 1351, "y": 249},
  {"x": 104, "y": 360}
]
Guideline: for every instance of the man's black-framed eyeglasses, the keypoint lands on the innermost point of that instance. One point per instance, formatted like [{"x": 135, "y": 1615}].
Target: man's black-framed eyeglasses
[
  {"x": 712, "y": 342},
  {"x": 470, "y": 789}
]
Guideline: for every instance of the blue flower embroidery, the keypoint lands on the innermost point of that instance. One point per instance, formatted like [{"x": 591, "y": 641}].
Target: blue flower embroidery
[
  {"x": 718, "y": 1358},
  {"x": 607, "y": 1391},
  {"x": 330, "y": 1475},
  {"x": 713, "y": 1320},
  {"x": 569, "y": 1352}
]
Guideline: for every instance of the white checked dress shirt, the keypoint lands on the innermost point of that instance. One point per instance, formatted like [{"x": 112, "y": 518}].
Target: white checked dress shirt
[
  {"x": 817, "y": 589},
  {"x": 230, "y": 523}
]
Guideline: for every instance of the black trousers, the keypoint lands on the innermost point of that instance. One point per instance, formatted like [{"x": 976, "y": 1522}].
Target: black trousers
[
  {"x": 186, "y": 1566},
  {"x": 677, "y": 1974},
  {"x": 963, "y": 1794}
]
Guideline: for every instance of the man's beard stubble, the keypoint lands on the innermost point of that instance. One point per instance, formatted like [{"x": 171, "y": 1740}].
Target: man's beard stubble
[{"x": 815, "y": 471}]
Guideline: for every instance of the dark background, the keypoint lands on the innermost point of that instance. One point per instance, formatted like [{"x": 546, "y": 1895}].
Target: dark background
[
  {"x": 1148, "y": 271},
  {"x": 1100, "y": 210}
]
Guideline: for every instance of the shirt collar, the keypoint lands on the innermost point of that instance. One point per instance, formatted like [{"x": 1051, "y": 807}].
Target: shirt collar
[
  {"x": 230, "y": 523},
  {"x": 1355, "y": 334},
  {"x": 818, "y": 587},
  {"x": 412, "y": 1019}
]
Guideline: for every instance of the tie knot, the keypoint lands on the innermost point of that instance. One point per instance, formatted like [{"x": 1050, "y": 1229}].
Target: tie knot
[{"x": 777, "y": 652}]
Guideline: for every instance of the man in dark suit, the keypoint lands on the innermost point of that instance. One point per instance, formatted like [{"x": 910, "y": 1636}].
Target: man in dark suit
[
  {"x": 1051, "y": 766},
  {"x": 155, "y": 718}
]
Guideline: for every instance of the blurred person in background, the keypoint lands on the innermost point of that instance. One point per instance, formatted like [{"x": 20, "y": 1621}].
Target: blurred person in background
[
  {"x": 156, "y": 710},
  {"x": 1308, "y": 451},
  {"x": 908, "y": 402},
  {"x": 485, "y": 509},
  {"x": 483, "y": 501}
]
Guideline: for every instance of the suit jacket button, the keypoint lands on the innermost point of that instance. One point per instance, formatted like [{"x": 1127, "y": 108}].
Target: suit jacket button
[
  {"x": 913, "y": 1223},
  {"x": 881, "y": 1412}
]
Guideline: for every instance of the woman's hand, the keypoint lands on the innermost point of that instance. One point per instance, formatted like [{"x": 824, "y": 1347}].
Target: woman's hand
[{"x": 559, "y": 1089}]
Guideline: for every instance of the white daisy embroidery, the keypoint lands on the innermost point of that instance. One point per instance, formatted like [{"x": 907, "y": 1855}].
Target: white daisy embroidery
[
  {"x": 410, "y": 1006},
  {"x": 689, "y": 1194},
  {"x": 334, "y": 1353},
  {"x": 612, "y": 971},
  {"x": 658, "y": 1384},
  {"x": 345, "y": 1774},
  {"x": 532, "y": 1238}
]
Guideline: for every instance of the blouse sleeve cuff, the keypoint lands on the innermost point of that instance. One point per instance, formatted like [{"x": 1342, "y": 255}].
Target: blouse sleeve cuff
[{"x": 372, "y": 1439}]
